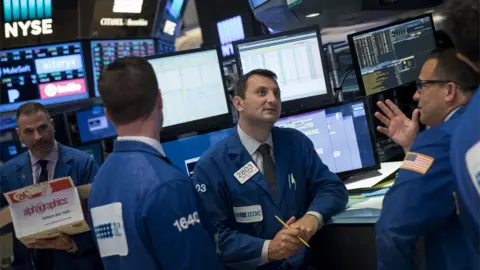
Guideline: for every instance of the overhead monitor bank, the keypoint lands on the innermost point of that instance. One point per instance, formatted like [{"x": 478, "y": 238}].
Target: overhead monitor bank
[
  {"x": 192, "y": 86},
  {"x": 106, "y": 51},
  {"x": 48, "y": 74},
  {"x": 391, "y": 56},
  {"x": 297, "y": 59}
]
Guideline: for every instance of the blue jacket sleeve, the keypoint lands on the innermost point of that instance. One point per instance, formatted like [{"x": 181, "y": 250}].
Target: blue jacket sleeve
[
  {"x": 238, "y": 250},
  {"x": 415, "y": 205},
  {"x": 329, "y": 194},
  {"x": 87, "y": 172},
  {"x": 178, "y": 228}
]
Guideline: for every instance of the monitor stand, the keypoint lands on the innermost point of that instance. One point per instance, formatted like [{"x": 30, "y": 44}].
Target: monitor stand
[{"x": 362, "y": 176}]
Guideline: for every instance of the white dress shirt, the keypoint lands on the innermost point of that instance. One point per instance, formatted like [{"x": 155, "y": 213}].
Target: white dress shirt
[
  {"x": 147, "y": 140},
  {"x": 252, "y": 145},
  {"x": 52, "y": 159}
]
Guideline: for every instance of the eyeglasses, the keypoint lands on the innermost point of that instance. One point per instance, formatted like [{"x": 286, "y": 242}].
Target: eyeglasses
[{"x": 422, "y": 83}]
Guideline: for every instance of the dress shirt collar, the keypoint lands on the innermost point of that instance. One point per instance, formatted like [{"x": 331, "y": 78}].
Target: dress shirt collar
[
  {"x": 147, "y": 140},
  {"x": 250, "y": 143}
]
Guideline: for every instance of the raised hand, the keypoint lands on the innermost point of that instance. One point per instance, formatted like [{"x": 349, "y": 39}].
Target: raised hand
[{"x": 399, "y": 127}]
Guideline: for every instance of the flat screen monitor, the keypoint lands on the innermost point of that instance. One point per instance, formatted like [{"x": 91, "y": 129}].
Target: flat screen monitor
[
  {"x": 49, "y": 74},
  {"x": 193, "y": 91},
  {"x": 230, "y": 30},
  {"x": 93, "y": 149},
  {"x": 8, "y": 122},
  {"x": 392, "y": 56},
  {"x": 93, "y": 125},
  {"x": 185, "y": 152},
  {"x": 341, "y": 135},
  {"x": 174, "y": 8},
  {"x": 106, "y": 51},
  {"x": 10, "y": 145},
  {"x": 297, "y": 58}
]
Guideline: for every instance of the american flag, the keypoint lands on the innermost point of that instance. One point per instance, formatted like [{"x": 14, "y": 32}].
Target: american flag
[{"x": 417, "y": 162}]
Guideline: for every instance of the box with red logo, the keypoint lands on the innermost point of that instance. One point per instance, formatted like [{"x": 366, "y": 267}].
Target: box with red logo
[{"x": 45, "y": 210}]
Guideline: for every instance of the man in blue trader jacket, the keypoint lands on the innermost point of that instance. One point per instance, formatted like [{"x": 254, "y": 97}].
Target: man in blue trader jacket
[
  {"x": 46, "y": 160},
  {"x": 259, "y": 172},
  {"x": 422, "y": 203},
  {"x": 145, "y": 212},
  {"x": 465, "y": 150}
]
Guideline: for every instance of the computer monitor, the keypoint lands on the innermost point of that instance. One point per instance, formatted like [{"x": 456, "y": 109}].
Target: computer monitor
[
  {"x": 93, "y": 149},
  {"x": 106, "y": 51},
  {"x": 49, "y": 74},
  {"x": 10, "y": 145},
  {"x": 392, "y": 56},
  {"x": 298, "y": 60},
  {"x": 341, "y": 134},
  {"x": 93, "y": 125},
  {"x": 193, "y": 91},
  {"x": 8, "y": 122},
  {"x": 185, "y": 152},
  {"x": 230, "y": 30}
]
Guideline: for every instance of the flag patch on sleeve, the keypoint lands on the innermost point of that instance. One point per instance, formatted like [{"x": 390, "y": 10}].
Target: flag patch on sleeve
[{"x": 417, "y": 162}]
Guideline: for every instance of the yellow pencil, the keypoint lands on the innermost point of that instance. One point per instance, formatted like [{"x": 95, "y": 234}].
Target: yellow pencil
[{"x": 286, "y": 226}]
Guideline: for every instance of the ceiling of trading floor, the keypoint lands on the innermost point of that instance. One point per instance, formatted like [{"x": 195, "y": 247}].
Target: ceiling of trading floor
[{"x": 340, "y": 17}]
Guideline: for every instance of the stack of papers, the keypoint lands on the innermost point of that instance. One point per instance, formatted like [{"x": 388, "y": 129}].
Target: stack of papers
[{"x": 387, "y": 169}]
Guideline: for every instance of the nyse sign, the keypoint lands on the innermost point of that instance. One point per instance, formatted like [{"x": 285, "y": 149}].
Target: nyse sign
[
  {"x": 23, "y": 18},
  {"x": 33, "y": 27}
]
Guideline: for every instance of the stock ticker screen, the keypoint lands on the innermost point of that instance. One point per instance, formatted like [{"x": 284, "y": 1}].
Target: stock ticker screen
[
  {"x": 394, "y": 55},
  {"x": 106, "y": 51},
  {"x": 47, "y": 74},
  {"x": 341, "y": 135}
]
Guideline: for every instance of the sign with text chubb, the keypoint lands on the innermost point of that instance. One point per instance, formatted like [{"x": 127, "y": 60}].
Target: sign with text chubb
[{"x": 27, "y": 17}]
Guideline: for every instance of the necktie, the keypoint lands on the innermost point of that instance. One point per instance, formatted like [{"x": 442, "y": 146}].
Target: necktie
[
  {"x": 44, "y": 171},
  {"x": 43, "y": 257},
  {"x": 268, "y": 168}
]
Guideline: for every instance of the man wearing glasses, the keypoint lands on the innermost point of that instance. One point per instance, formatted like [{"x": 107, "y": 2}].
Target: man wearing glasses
[{"x": 422, "y": 203}]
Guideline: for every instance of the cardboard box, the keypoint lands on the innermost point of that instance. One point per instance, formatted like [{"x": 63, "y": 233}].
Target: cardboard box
[{"x": 45, "y": 210}]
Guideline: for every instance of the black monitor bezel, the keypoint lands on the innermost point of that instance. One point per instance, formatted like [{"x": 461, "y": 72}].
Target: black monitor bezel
[
  {"x": 86, "y": 66},
  {"x": 355, "y": 60},
  {"x": 80, "y": 133},
  {"x": 313, "y": 102},
  {"x": 201, "y": 125},
  {"x": 97, "y": 143},
  {"x": 371, "y": 130},
  {"x": 90, "y": 56}
]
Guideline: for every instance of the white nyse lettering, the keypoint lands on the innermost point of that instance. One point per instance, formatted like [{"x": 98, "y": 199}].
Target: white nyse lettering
[
  {"x": 24, "y": 26},
  {"x": 11, "y": 30},
  {"x": 47, "y": 26},
  {"x": 36, "y": 28}
]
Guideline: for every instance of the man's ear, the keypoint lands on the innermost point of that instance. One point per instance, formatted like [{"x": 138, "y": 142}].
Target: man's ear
[
  {"x": 160, "y": 100},
  {"x": 18, "y": 132},
  {"x": 451, "y": 91},
  {"x": 238, "y": 103}
]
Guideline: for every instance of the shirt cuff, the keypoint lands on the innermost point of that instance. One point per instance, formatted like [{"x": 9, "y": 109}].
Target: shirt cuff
[
  {"x": 318, "y": 216},
  {"x": 264, "y": 258}
]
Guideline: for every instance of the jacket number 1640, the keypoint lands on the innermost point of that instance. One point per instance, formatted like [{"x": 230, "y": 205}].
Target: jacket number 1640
[{"x": 185, "y": 222}]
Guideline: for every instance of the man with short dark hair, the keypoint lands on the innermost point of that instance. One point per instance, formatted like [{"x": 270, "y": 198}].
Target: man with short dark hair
[
  {"x": 462, "y": 21},
  {"x": 46, "y": 160},
  {"x": 259, "y": 172},
  {"x": 422, "y": 201},
  {"x": 145, "y": 212}
]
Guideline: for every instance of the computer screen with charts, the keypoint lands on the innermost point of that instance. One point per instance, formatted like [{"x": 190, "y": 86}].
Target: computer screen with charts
[
  {"x": 93, "y": 125},
  {"x": 106, "y": 51},
  {"x": 49, "y": 74},
  {"x": 341, "y": 135},
  {"x": 185, "y": 152},
  {"x": 193, "y": 90},
  {"x": 392, "y": 56},
  {"x": 297, "y": 59}
]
